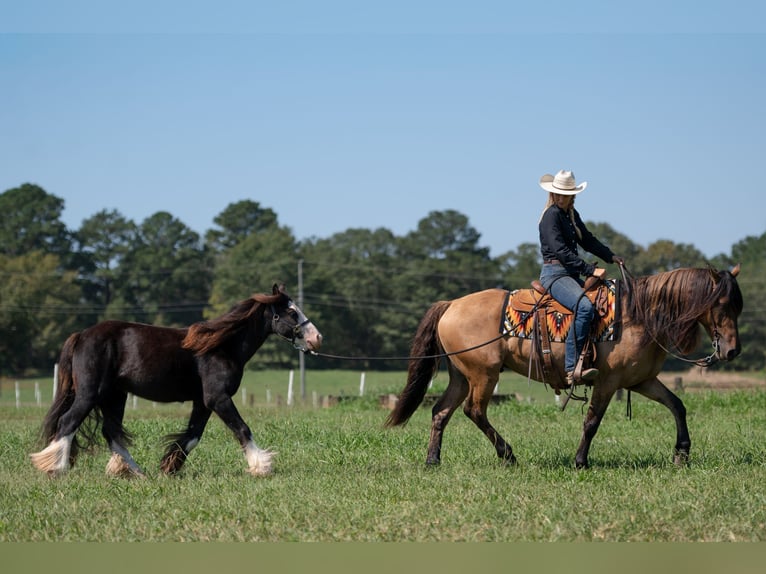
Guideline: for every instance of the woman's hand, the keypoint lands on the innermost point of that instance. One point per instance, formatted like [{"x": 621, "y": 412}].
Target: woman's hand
[{"x": 618, "y": 260}]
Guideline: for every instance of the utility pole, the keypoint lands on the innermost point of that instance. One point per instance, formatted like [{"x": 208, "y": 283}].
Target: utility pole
[{"x": 301, "y": 355}]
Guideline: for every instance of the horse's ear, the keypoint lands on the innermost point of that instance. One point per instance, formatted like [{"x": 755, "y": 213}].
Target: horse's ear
[
  {"x": 734, "y": 272},
  {"x": 277, "y": 289}
]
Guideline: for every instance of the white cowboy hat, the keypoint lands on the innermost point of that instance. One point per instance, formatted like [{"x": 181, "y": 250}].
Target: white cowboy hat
[{"x": 563, "y": 183}]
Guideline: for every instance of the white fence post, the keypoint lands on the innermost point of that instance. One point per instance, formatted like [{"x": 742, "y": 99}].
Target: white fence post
[
  {"x": 55, "y": 379},
  {"x": 290, "y": 388},
  {"x": 361, "y": 385}
]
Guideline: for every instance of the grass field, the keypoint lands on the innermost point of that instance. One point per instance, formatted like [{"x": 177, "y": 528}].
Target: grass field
[{"x": 341, "y": 477}]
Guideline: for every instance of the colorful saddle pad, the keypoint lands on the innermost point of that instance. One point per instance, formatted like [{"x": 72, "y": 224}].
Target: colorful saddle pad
[{"x": 518, "y": 318}]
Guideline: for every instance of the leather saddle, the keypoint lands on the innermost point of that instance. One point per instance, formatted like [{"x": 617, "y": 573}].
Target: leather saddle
[
  {"x": 535, "y": 314},
  {"x": 529, "y": 300}
]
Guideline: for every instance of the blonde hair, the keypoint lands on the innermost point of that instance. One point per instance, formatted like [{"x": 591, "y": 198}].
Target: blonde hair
[{"x": 570, "y": 211}]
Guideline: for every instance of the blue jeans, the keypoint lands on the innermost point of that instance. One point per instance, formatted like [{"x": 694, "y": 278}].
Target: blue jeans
[{"x": 567, "y": 290}]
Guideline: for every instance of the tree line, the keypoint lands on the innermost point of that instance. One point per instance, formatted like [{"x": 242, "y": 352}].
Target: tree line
[{"x": 365, "y": 289}]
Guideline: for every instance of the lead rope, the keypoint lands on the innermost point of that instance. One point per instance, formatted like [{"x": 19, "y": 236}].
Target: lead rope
[{"x": 407, "y": 358}]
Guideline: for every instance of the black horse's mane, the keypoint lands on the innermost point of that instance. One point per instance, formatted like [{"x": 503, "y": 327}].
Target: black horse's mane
[
  {"x": 206, "y": 336},
  {"x": 669, "y": 305}
]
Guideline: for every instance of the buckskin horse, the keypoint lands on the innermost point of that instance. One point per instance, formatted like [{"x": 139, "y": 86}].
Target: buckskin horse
[
  {"x": 203, "y": 364},
  {"x": 658, "y": 312}
]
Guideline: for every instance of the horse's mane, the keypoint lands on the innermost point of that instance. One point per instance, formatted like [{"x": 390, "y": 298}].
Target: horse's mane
[
  {"x": 670, "y": 304},
  {"x": 206, "y": 336}
]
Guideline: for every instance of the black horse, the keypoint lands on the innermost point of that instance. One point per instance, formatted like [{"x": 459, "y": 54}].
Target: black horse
[{"x": 99, "y": 366}]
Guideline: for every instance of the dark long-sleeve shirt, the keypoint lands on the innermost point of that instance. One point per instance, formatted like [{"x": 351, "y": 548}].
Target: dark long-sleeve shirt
[{"x": 559, "y": 241}]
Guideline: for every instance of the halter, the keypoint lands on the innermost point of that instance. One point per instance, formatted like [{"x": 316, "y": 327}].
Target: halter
[{"x": 297, "y": 330}]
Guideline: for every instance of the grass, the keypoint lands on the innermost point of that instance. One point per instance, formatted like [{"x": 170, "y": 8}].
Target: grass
[
  {"x": 341, "y": 477},
  {"x": 270, "y": 387}
]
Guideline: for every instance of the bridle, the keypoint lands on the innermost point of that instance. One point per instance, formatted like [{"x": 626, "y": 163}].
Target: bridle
[{"x": 704, "y": 362}]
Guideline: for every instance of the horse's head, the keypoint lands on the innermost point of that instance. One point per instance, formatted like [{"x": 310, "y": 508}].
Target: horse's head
[
  {"x": 289, "y": 322},
  {"x": 721, "y": 319}
]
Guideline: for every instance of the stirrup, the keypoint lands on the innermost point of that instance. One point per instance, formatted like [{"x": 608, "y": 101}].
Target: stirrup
[
  {"x": 581, "y": 376},
  {"x": 569, "y": 392}
]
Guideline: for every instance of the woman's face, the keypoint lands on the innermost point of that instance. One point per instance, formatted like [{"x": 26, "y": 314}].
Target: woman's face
[{"x": 563, "y": 201}]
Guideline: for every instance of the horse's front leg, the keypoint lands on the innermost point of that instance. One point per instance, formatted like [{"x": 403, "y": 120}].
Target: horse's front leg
[
  {"x": 181, "y": 444},
  {"x": 602, "y": 395},
  {"x": 654, "y": 389},
  {"x": 259, "y": 461}
]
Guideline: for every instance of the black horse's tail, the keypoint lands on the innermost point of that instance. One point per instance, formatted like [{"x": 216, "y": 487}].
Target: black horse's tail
[
  {"x": 62, "y": 402},
  {"x": 423, "y": 365}
]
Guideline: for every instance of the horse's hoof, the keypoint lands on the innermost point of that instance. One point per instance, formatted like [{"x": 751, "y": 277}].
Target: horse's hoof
[
  {"x": 433, "y": 463},
  {"x": 681, "y": 459},
  {"x": 118, "y": 468}
]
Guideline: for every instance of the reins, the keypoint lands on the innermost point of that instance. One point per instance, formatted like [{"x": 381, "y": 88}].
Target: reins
[{"x": 703, "y": 362}]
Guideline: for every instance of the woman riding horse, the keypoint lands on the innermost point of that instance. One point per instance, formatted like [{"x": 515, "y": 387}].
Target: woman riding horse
[{"x": 561, "y": 231}]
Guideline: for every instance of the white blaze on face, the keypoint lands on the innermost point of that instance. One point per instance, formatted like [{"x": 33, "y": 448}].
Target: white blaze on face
[{"x": 309, "y": 333}]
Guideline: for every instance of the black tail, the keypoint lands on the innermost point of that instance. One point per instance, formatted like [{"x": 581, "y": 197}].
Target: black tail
[
  {"x": 64, "y": 398},
  {"x": 423, "y": 365},
  {"x": 62, "y": 402}
]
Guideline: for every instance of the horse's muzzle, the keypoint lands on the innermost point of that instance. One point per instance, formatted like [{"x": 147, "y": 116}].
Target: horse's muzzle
[
  {"x": 312, "y": 338},
  {"x": 731, "y": 354}
]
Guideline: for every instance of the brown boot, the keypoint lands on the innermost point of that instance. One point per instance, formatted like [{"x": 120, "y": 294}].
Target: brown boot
[{"x": 589, "y": 375}]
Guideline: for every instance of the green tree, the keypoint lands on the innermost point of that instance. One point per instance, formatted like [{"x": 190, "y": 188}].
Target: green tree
[
  {"x": 620, "y": 245},
  {"x": 105, "y": 239},
  {"x": 164, "y": 277},
  {"x": 32, "y": 221},
  {"x": 255, "y": 259},
  {"x": 664, "y": 255},
  {"x": 38, "y": 310},
  {"x": 252, "y": 266},
  {"x": 519, "y": 267},
  {"x": 238, "y": 221},
  {"x": 443, "y": 259},
  {"x": 751, "y": 254},
  {"x": 349, "y": 290}
]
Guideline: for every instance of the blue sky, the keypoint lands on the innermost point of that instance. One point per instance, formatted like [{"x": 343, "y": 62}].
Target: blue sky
[{"x": 341, "y": 115}]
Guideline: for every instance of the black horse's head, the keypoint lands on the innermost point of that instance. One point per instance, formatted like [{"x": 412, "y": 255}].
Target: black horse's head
[{"x": 289, "y": 322}]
